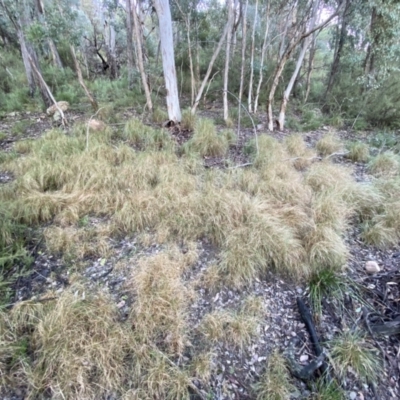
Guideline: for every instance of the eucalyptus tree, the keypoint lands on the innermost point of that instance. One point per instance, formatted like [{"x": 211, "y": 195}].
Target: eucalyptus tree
[
  {"x": 168, "y": 59},
  {"x": 19, "y": 14}
]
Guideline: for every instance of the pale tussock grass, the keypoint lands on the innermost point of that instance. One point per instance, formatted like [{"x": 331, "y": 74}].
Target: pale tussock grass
[{"x": 159, "y": 315}]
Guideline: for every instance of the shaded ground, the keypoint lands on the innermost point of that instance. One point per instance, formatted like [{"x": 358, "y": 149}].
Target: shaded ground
[{"x": 236, "y": 370}]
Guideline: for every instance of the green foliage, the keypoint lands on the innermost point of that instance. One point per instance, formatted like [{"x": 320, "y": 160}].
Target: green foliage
[
  {"x": 352, "y": 351},
  {"x": 325, "y": 283}
]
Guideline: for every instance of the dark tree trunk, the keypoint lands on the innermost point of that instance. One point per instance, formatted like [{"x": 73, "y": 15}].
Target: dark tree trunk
[{"x": 339, "y": 50}]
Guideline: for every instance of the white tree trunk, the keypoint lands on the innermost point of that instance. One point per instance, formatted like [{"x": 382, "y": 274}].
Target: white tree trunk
[
  {"x": 264, "y": 49},
  {"x": 250, "y": 97},
  {"x": 143, "y": 74},
  {"x": 168, "y": 60},
  {"x": 129, "y": 42},
  {"x": 227, "y": 59},
  {"x": 244, "y": 34},
  {"x": 289, "y": 87}
]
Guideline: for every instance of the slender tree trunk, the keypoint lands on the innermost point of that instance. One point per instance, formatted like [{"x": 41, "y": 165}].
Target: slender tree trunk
[
  {"x": 93, "y": 102},
  {"x": 282, "y": 62},
  {"x": 264, "y": 49},
  {"x": 54, "y": 54},
  {"x": 129, "y": 42},
  {"x": 253, "y": 35},
  {"x": 192, "y": 75},
  {"x": 143, "y": 74},
  {"x": 44, "y": 88},
  {"x": 243, "y": 64},
  {"x": 28, "y": 67},
  {"x": 167, "y": 52},
  {"x": 338, "y": 54},
  {"x": 227, "y": 59},
  {"x": 310, "y": 68},
  {"x": 210, "y": 66},
  {"x": 289, "y": 87}
]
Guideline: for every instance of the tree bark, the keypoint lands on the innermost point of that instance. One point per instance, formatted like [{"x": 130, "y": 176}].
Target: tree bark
[
  {"x": 243, "y": 64},
  {"x": 339, "y": 50},
  {"x": 143, "y": 74},
  {"x": 289, "y": 87},
  {"x": 264, "y": 49},
  {"x": 129, "y": 42},
  {"x": 227, "y": 59},
  {"x": 93, "y": 102},
  {"x": 168, "y": 59},
  {"x": 253, "y": 34},
  {"x": 310, "y": 68}
]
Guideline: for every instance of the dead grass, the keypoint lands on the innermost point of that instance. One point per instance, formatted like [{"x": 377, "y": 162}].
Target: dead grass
[
  {"x": 301, "y": 155},
  {"x": 159, "y": 116},
  {"x": 274, "y": 215},
  {"x": 206, "y": 141},
  {"x": 275, "y": 383},
  {"x": 358, "y": 152},
  {"x": 79, "y": 349},
  {"x": 328, "y": 144},
  {"x": 188, "y": 119},
  {"x": 159, "y": 314},
  {"x": 385, "y": 165},
  {"x": 234, "y": 328}
]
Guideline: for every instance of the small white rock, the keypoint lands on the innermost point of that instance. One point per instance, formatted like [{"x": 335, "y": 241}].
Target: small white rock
[
  {"x": 352, "y": 395},
  {"x": 372, "y": 267},
  {"x": 304, "y": 358}
]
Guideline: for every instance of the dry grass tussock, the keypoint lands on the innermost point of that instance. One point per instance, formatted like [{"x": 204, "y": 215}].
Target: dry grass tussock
[
  {"x": 78, "y": 347},
  {"x": 268, "y": 216},
  {"x": 385, "y": 165},
  {"x": 275, "y": 383},
  {"x": 235, "y": 328},
  {"x": 274, "y": 215},
  {"x": 159, "y": 313},
  {"x": 299, "y": 152},
  {"x": 328, "y": 144}
]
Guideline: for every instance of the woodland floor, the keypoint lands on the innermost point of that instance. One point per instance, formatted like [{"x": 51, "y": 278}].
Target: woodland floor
[{"x": 236, "y": 370}]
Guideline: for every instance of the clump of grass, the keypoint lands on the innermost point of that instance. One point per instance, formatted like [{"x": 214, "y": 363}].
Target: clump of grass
[
  {"x": 324, "y": 283},
  {"x": 358, "y": 152},
  {"x": 159, "y": 312},
  {"x": 326, "y": 249},
  {"x": 107, "y": 113},
  {"x": 275, "y": 383},
  {"x": 230, "y": 136},
  {"x": 159, "y": 116},
  {"x": 202, "y": 365},
  {"x": 234, "y": 328},
  {"x": 298, "y": 150},
  {"x": 19, "y": 128},
  {"x": 206, "y": 141},
  {"x": 385, "y": 164},
  {"x": 79, "y": 348},
  {"x": 188, "y": 120},
  {"x": 143, "y": 136},
  {"x": 328, "y": 391},
  {"x": 2, "y": 136},
  {"x": 328, "y": 144},
  {"x": 77, "y": 243},
  {"x": 23, "y": 146},
  {"x": 351, "y": 351}
]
